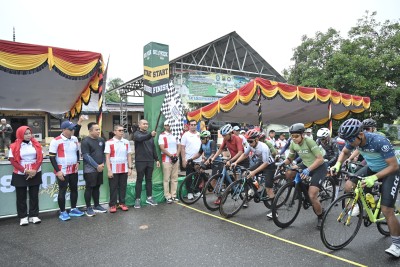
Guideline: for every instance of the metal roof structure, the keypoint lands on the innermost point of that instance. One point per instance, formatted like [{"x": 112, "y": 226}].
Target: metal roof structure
[{"x": 229, "y": 54}]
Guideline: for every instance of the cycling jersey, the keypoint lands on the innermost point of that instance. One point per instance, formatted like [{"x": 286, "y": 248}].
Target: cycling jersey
[
  {"x": 331, "y": 150},
  {"x": 308, "y": 151},
  {"x": 261, "y": 152},
  {"x": 375, "y": 151}
]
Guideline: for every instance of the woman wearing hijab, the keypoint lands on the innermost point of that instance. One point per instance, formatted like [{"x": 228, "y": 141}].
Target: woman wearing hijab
[{"x": 26, "y": 157}]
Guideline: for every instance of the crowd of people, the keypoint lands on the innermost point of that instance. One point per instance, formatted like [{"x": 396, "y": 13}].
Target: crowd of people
[{"x": 251, "y": 149}]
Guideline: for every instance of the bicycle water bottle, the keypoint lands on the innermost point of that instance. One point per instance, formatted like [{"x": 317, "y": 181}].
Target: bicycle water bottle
[
  {"x": 370, "y": 200},
  {"x": 255, "y": 182}
]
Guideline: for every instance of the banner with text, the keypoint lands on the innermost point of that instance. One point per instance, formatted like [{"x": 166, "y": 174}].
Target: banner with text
[{"x": 155, "y": 79}]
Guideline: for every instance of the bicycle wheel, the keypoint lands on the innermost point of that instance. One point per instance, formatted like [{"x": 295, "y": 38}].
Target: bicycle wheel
[
  {"x": 190, "y": 185},
  {"x": 339, "y": 227},
  {"x": 327, "y": 192},
  {"x": 212, "y": 198},
  {"x": 233, "y": 198},
  {"x": 286, "y": 205},
  {"x": 279, "y": 181},
  {"x": 382, "y": 225}
]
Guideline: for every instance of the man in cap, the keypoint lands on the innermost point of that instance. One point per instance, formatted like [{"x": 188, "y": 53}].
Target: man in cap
[{"x": 64, "y": 157}]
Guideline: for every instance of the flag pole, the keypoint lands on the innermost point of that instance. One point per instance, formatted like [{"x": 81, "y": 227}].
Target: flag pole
[{"x": 158, "y": 120}]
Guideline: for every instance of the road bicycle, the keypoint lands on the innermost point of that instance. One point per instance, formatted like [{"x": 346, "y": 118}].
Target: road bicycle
[
  {"x": 341, "y": 222},
  {"x": 216, "y": 185},
  {"x": 291, "y": 196},
  {"x": 193, "y": 183},
  {"x": 246, "y": 189}
]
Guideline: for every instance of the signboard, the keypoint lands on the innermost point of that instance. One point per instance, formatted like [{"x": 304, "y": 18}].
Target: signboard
[{"x": 48, "y": 191}]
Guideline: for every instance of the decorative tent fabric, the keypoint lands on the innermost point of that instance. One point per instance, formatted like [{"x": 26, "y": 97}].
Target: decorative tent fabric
[
  {"x": 282, "y": 103},
  {"x": 26, "y": 84}
]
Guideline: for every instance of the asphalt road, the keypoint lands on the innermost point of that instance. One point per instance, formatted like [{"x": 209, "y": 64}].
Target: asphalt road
[{"x": 178, "y": 235}]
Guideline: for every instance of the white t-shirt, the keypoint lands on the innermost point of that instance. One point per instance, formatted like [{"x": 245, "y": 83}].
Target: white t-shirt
[
  {"x": 170, "y": 144},
  {"x": 260, "y": 153},
  {"x": 192, "y": 144}
]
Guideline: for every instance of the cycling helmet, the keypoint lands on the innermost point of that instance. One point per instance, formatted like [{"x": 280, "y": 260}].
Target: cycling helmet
[
  {"x": 236, "y": 128},
  {"x": 242, "y": 131},
  {"x": 367, "y": 123},
  {"x": 251, "y": 134},
  {"x": 205, "y": 133},
  {"x": 350, "y": 128},
  {"x": 226, "y": 129},
  {"x": 297, "y": 128},
  {"x": 323, "y": 133},
  {"x": 308, "y": 130},
  {"x": 262, "y": 135}
]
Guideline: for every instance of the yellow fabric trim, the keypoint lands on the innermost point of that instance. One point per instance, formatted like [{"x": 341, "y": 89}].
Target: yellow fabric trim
[
  {"x": 86, "y": 95},
  {"x": 336, "y": 99},
  {"x": 50, "y": 59},
  {"x": 287, "y": 95},
  {"x": 211, "y": 113},
  {"x": 249, "y": 97},
  {"x": 74, "y": 69},
  {"x": 360, "y": 110},
  {"x": 322, "y": 98},
  {"x": 346, "y": 102},
  {"x": 321, "y": 121},
  {"x": 21, "y": 62},
  {"x": 341, "y": 116},
  {"x": 269, "y": 93},
  {"x": 228, "y": 106},
  {"x": 306, "y": 97}
]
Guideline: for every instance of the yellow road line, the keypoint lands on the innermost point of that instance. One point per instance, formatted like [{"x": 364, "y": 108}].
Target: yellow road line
[{"x": 275, "y": 237}]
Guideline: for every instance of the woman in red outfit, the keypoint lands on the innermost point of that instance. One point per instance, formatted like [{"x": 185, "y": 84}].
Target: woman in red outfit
[{"x": 26, "y": 157}]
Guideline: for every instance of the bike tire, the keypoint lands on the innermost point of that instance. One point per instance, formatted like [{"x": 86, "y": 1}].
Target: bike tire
[
  {"x": 195, "y": 180},
  {"x": 335, "y": 234},
  {"x": 210, "y": 197},
  {"x": 279, "y": 181},
  {"x": 286, "y": 205},
  {"x": 233, "y": 198},
  {"x": 327, "y": 192}
]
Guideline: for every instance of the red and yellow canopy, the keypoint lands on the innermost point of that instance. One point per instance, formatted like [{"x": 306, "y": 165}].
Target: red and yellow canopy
[
  {"x": 281, "y": 103},
  {"x": 63, "y": 87}
]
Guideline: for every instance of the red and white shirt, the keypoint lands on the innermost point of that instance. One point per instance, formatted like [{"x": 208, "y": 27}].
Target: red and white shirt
[
  {"x": 66, "y": 153},
  {"x": 28, "y": 157},
  {"x": 170, "y": 144},
  {"x": 118, "y": 150}
]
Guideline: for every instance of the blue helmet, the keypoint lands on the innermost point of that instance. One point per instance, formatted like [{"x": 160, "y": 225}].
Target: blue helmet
[
  {"x": 350, "y": 128},
  {"x": 226, "y": 129}
]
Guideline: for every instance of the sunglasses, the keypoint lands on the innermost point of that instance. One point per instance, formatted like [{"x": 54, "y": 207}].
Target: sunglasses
[
  {"x": 192, "y": 124},
  {"x": 295, "y": 135},
  {"x": 250, "y": 141}
]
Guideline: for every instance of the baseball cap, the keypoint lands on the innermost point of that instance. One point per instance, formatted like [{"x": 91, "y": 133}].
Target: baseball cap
[
  {"x": 166, "y": 122},
  {"x": 236, "y": 128},
  {"x": 68, "y": 125}
]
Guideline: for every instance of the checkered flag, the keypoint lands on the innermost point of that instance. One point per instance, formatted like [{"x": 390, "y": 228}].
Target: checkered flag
[{"x": 172, "y": 110}]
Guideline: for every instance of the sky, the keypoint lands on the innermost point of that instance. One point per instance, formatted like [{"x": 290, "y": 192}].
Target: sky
[{"x": 120, "y": 29}]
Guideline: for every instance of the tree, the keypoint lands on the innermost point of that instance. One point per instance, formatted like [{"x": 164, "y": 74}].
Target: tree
[
  {"x": 366, "y": 63},
  {"x": 113, "y": 96}
]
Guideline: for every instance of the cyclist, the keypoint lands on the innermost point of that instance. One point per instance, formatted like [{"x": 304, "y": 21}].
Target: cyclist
[
  {"x": 313, "y": 164},
  {"x": 232, "y": 142},
  {"x": 264, "y": 159},
  {"x": 329, "y": 145},
  {"x": 382, "y": 165},
  {"x": 207, "y": 149}
]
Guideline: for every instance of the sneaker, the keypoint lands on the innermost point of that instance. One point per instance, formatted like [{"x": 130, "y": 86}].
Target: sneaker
[
  {"x": 245, "y": 205},
  {"x": 23, "y": 221},
  {"x": 190, "y": 196},
  {"x": 99, "y": 209},
  {"x": 75, "y": 213},
  {"x": 197, "y": 194},
  {"x": 218, "y": 201},
  {"x": 137, "y": 204},
  {"x": 393, "y": 250},
  {"x": 34, "y": 220},
  {"x": 123, "y": 207},
  {"x": 356, "y": 211},
  {"x": 169, "y": 200},
  {"x": 90, "y": 212},
  {"x": 151, "y": 201},
  {"x": 269, "y": 215},
  {"x": 113, "y": 209},
  {"x": 174, "y": 199},
  {"x": 64, "y": 216}
]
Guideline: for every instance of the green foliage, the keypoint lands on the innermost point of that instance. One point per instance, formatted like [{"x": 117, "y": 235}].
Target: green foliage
[
  {"x": 366, "y": 63},
  {"x": 113, "y": 96}
]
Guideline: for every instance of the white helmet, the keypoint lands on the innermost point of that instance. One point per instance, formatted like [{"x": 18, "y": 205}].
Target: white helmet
[{"x": 323, "y": 133}]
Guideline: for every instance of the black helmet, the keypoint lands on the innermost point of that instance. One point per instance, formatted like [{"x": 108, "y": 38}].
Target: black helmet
[
  {"x": 297, "y": 128},
  {"x": 368, "y": 123},
  {"x": 350, "y": 128}
]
